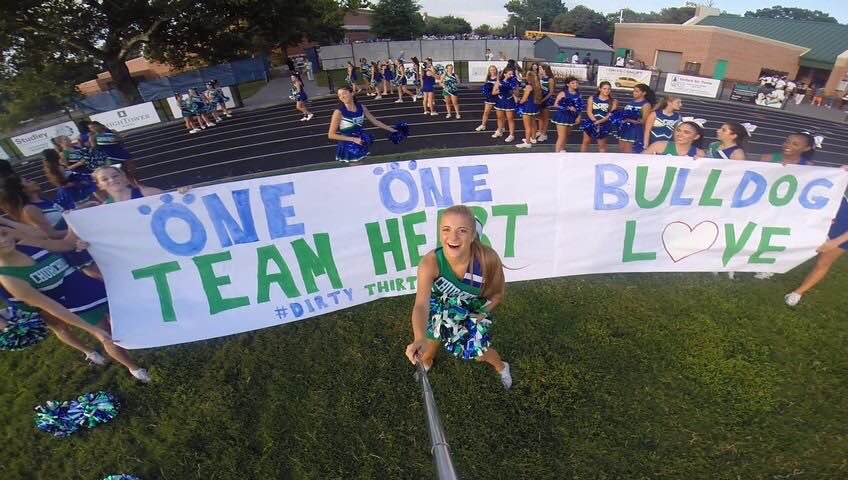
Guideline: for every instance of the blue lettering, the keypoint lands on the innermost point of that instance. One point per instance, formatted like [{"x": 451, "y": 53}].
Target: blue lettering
[
  {"x": 817, "y": 202},
  {"x": 228, "y": 230},
  {"x": 178, "y": 211},
  {"x": 603, "y": 188},
  {"x": 759, "y": 190},
  {"x": 431, "y": 192},
  {"x": 676, "y": 199},
  {"x": 388, "y": 199},
  {"x": 276, "y": 214},
  {"x": 296, "y": 309},
  {"x": 468, "y": 184}
]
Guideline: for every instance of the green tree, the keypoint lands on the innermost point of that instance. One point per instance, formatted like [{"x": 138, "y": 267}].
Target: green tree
[
  {"x": 523, "y": 14},
  {"x": 397, "y": 19},
  {"x": 484, "y": 30},
  {"x": 583, "y": 22},
  {"x": 448, "y": 25},
  {"x": 791, "y": 13}
]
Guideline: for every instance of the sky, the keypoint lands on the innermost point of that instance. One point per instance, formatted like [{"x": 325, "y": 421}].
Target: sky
[{"x": 492, "y": 11}]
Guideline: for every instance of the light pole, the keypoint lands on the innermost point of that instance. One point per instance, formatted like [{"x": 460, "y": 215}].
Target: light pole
[{"x": 540, "y": 23}]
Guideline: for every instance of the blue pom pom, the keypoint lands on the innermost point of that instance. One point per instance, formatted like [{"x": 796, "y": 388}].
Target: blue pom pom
[
  {"x": 22, "y": 331},
  {"x": 92, "y": 409},
  {"x": 595, "y": 131},
  {"x": 401, "y": 133},
  {"x": 52, "y": 418},
  {"x": 462, "y": 326},
  {"x": 486, "y": 89},
  {"x": 519, "y": 110}
]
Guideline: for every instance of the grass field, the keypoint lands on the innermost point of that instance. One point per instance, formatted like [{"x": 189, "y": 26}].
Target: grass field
[
  {"x": 249, "y": 88},
  {"x": 680, "y": 376}
]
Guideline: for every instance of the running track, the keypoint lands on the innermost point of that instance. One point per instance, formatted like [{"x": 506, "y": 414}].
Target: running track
[{"x": 272, "y": 138}]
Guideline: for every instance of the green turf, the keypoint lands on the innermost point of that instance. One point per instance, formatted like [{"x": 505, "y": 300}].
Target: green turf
[
  {"x": 249, "y": 88},
  {"x": 338, "y": 77},
  {"x": 628, "y": 376}
]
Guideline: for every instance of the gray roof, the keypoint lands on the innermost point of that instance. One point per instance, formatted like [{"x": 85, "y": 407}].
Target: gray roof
[{"x": 578, "y": 43}]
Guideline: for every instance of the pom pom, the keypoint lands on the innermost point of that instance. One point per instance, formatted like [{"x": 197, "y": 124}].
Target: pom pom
[
  {"x": 92, "y": 409},
  {"x": 121, "y": 476},
  {"x": 486, "y": 89},
  {"x": 519, "y": 110},
  {"x": 52, "y": 418},
  {"x": 462, "y": 326},
  {"x": 22, "y": 331},
  {"x": 401, "y": 133},
  {"x": 439, "y": 69},
  {"x": 595, "y": 131}
]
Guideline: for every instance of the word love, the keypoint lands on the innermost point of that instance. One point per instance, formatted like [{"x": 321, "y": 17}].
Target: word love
[{"x": 751, "y": 189}]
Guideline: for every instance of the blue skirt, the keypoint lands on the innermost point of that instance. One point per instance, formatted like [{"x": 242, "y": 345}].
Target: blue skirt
[
  {"x": 352, "y": 152},
  {"x": 529, "y": 108},
  {"x": 840, "y": 223},
  {"x": 507, "y": 104},
  {"x": 301, "y": 97},
  {"x": 630, "y": 132},
  {"x": 565, "y": 117}
]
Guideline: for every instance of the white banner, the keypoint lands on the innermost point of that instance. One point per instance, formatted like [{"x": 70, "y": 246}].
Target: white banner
[
  {"x": 128, "y": 118},
  {"x": 623, "y": 78},
  {"x": 477, "y": 70},
  {"x": 33, "y": 143},
  {"x": 562, "y": 71},
  {"x": 689, "y": 85},
  {"x": 178, "y": 113},
  {"x": 251, "y": 254}
]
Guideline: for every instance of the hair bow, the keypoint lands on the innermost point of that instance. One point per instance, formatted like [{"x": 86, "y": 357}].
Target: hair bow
[
  {"x": 818, "y": 139},
  {"x": 749, "y": 127},
  {"x": 699, "y": 121}
]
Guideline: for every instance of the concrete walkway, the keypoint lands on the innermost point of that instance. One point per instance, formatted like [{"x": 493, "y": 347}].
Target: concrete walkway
[{"x": 277, "y": 90}]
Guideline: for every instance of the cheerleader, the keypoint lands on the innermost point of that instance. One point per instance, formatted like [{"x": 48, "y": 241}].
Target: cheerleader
[
  {"x": 548, "y": 84},
  {"x": 376, "y": 79},
  {"x": 489, "y": 100},
  {"x": 687, "y": 140},
  {"x": 73, "y": 190},
  {"x": 569, "y": 107},
  {"x": 662, "y": 120},
  {"x": 346, "y": 127},
  {"x": 428, "y": 84},
  {"x": 731, "y": 136},
  {"x": 450, "y": 90},
  {"x": 198, "y": 107},
  {"x": 21, "y": 200},
  {"x": 298, "y": 94},
  {"x": 401, "y": 81},
  {"x": 416, "y": 78},
  {"x": 529, "y": 108},
  {"x": 505, "y": 106},
  {"x": 798, "y": 149},
  {"x": 459, "y": 285},
  {"x": 111, "y": 146},
  {"x": 352, "y": 78},
  {"x": 388, "y": 77},
  {"x": 367, "y": 74},
  {"x": 598, "y": 110},
  {"x": 188, "y": 116},
  {"x": 77, "y": 159},
  {"x": 36, "y": 279},
  {"x": 216, "y": 97},
  {"x": 632, "y": 129}
]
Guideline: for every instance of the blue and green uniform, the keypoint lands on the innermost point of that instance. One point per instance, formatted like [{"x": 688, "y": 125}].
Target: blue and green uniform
[
  {"x": 454, "y": 305},
  {"x": 662, "y": 129},
  {"x": 450, "y": 85}
]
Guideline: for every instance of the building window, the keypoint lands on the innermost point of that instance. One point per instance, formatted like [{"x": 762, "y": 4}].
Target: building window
[{"x": 692, "y": 68}]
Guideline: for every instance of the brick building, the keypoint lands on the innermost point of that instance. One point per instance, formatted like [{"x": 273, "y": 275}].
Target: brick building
[{"x": 739, "y": 48}]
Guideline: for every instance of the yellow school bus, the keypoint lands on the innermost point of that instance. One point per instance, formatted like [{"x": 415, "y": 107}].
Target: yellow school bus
[{"x": 536, "y": 34}]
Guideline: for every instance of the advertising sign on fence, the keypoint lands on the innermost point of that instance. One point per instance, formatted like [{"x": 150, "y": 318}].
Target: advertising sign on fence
[
  {"x": 623, "y": 78},
  {"x": 477, "y": 69},
  {"x": 689, "y": 85},
  {"x": 3, "y": 154},
  {"x": 128, "y": 118},
  {"x": 178, "y": 113},
  {"x": 562, "y": 71},
  {"x": 744, "y": 93},
  {"x": 33, "y": 143},
  {"x": 244, "y": 255}
]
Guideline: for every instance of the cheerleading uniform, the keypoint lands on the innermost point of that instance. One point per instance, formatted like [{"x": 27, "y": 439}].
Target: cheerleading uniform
[
  {"x": 111, "y": 146},
  {"x": 671, "y": 149},
  {"x": 662, "y": 129},
  {"x": 530, "y": 107},
  {"x": 715, "y": 151},
  {"x": 376, "y": 77},
  {"x": 600, "y": 109},
  {"x": 388, "y": 74},
  {"x": 53, "y": 213},
  {"x": 489, "y": 99},
  {"x": 217, "y": 97},
  {"x": 505, "y": 101},
  {"x": 564, "y": 116},
  {"x": 351, "y": 125},
  {"x": 135, "y": 192},
  {"x": 840, "y": 223},
  {"x": 428, "y": 82},
  {"x": 298, "y": 94},
  {"x": 546, "y": 89},
  {"x": 79, "y": 189},
  {"x": 454, "y": 305},
  {"x": 451, "y": 85},
  {"x": 54, "y": 277},
  {"x": 632, "y": 131},
  {"x": 778, "y": 158}
]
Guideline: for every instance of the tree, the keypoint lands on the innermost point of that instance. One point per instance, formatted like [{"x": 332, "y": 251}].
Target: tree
[
  {"x": 676, "y": 15},
  {"x": 791, "y": 13},
  {"x": 448, "y": 25},
  {"x": 583, "y": 22},
  {"x": 484, "y": 30},
  {"x": 397, "y": 19},
  {"x": 523, "y": 14}
]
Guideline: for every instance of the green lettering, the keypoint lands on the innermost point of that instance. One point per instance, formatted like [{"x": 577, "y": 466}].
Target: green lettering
[
  {"x": 511, "y": 212},
  {"x": 414, "y": 240},
  {"x": 264, "y": 280},
  {"x": 379, "y": 248},
  {"x": 313, "y": 265},
  {"x": 732, "y": 246},
  {"x": 629, "y": 255},
  {"x": 774, "y": 197},
  {"x": 766, "y": 246},
  {"x": 642, "y": 180},
  {"x": 212, "y": 283},
  {"x": 707, "y": 199},
  {"x": 160, "y": 273}
]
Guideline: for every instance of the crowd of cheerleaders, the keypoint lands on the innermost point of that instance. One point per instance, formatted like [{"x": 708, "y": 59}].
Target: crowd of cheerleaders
[
  {"x": 49, "y": 282},
  {"x": 201, "y": 110}
]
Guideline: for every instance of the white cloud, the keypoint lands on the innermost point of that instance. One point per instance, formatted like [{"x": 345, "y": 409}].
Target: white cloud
[{"x": 477, "y": 12}]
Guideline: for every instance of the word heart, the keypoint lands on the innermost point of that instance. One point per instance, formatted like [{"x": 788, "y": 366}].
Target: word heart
[{"x": 681, "y": 241}]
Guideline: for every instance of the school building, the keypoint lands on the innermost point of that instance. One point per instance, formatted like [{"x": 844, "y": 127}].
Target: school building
[{"x": 740, "y": 48}]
